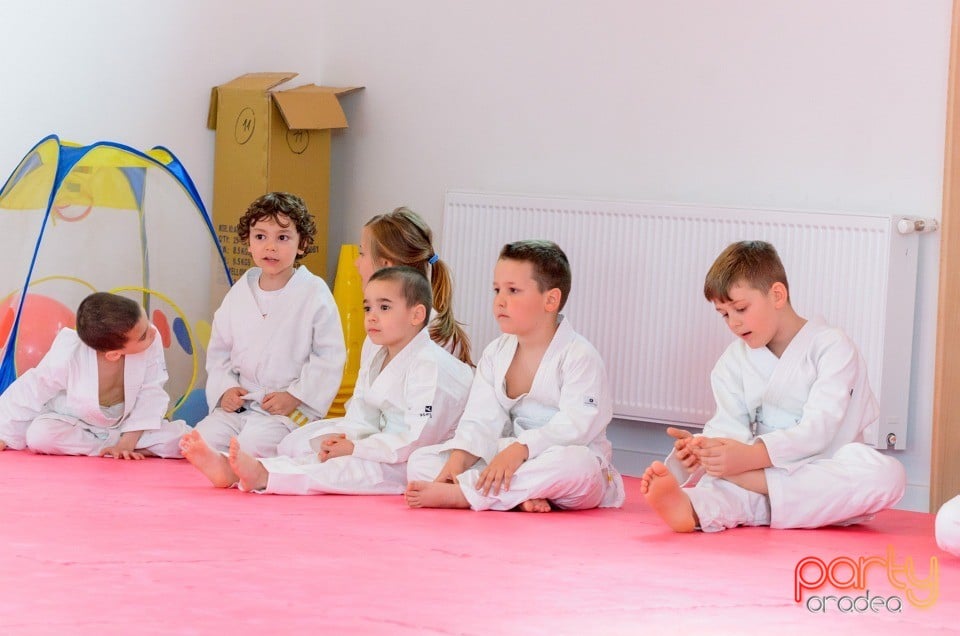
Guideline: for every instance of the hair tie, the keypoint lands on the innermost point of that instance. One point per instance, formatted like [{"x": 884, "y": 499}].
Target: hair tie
[{"x": 433, "y": 259}]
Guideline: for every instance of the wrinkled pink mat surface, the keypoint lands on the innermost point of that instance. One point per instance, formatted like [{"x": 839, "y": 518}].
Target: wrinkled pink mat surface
[{"x": 100, "y": 546}]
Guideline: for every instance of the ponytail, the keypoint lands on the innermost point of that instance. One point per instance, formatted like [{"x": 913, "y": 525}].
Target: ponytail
[
  {"x": 404, "y": 238},
  {"x": 445, "y": 330}
]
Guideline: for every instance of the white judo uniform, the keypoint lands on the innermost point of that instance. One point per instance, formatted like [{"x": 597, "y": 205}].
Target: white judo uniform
[
  {"x": 298, "y": 347},
  {"x": 55, "y": 409},
  {"x": 298, "y": 441},
  {"x": 562, "y": 421},
  {"x": 813, "y": 409},
  {"x": 414, "y": 401},
  {"x": 948, "y": 526}
]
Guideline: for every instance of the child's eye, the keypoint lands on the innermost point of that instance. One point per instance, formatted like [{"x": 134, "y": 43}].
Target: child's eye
[
  {"x": 259, "y": 237},
  {"x": 284, "y": 237},
  {"x": 366, "y": 309},
  {"x": 384, "y": 307}
]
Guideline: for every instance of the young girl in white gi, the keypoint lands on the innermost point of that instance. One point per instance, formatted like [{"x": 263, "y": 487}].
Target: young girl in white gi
[
  {"x": 409, "y": 393},
  {"x": 948, "y": 526},
  {"x": 533, "y": 434},
  {"x": 399, "y": 237},
  {"x": 98, "y": 391},
  {"x": 794, "y": 408},
  {"x": 276, "y": 353}
]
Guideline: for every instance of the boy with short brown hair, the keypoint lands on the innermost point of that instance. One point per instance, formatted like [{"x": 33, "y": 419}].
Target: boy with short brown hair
[
  {"x": 409, "y": 394},
  {"x": 533, "y": 434},
  {"x": 786, "y": 447},
  {"x": 98, "y": 391}
]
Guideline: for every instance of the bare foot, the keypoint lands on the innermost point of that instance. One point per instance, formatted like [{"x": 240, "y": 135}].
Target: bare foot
[
  {"x": 252, "y": 474},
  {"x": 535, "y": 505},
  {"x": 667, "y": 498},
  {"x": 208, "y": 461},
  {"x": 435, "y": 494}
]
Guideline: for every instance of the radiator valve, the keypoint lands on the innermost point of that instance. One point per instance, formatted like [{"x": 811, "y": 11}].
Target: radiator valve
[{"x": 911, "y": 224}]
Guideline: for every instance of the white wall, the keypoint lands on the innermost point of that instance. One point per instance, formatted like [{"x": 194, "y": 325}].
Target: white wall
[
  {"x": 137, "y": 73},
  {"x": 822, "y": 105}
]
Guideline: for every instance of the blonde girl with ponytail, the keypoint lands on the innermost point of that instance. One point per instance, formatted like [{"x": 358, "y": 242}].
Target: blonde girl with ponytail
[{"x": 402, "y": 237}]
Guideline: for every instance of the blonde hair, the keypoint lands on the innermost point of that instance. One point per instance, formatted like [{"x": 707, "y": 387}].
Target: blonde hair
[
  {"x": 404, "y": 238},
  {"x": 755, "y": 263}
]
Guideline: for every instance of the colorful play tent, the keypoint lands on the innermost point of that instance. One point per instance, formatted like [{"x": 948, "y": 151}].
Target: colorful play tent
[{"x": 105, "y": 217}]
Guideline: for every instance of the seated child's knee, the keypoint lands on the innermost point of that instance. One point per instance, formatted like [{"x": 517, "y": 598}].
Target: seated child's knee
[
  {"x": 41, "y": 436},
  {"x": 891, "y": 477},
  {"x": 580, "y": 460},
  {"x": 896, "y": 477},
  {"x": 885, "y": 475},
  {"x": 947, "y": 530},
  {"x": 424, "y": 464}
]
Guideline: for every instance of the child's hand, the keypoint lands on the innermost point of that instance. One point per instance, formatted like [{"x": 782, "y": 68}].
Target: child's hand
[
  {"x": 722, "y": 457},
  {"x": 458, "y": 462},
  {"x": 685, "y": 449},
  {"x": 280, "y": 403},
  {"x": 232, "y": 399},
  {"x": 121, "y": 453},
  {"x": 497, "y": 475},
  {"x": 332, "y": 447}
]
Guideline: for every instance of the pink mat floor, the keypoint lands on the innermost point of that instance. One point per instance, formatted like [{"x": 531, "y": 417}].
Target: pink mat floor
[{"x": 100, "y": 546}]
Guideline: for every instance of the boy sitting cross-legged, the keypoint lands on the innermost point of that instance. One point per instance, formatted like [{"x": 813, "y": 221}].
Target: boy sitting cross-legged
[
  {"x": 794, "y": 408},
  {"x": 533, "y": 434}
]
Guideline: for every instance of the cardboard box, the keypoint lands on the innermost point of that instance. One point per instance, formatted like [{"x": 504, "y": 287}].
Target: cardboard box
[{"x": 272, "y": 140}]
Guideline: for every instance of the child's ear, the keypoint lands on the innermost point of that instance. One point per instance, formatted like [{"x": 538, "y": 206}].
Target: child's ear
[
  {"x": 114, "y": 355},
  {"x": 419, "y": 315},
  {"x": 780, "y": 295},
  {"x": 553, "y": 299}
]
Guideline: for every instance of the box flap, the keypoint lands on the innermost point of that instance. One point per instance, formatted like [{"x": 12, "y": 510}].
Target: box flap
[
  {"x": 212, "y": 113},
  {"x": 313, "y": 107},
  {"x": 262, "y": 81},
  {"x": 254, "y": 81}
]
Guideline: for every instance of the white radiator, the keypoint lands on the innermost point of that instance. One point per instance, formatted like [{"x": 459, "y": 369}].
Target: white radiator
[{"x": 638, "y": 271}]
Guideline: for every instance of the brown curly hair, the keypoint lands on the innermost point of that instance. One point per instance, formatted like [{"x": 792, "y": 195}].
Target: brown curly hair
[{"x": 273, "y": 205}]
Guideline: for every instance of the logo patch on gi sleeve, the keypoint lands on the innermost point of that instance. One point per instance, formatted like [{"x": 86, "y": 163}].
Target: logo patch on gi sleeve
[
  {"x": 591, "y": 401},
  {"x": 427, "y": 411}
]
